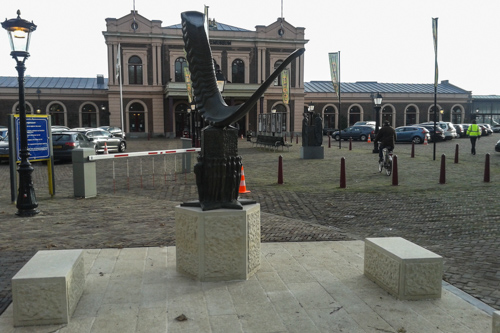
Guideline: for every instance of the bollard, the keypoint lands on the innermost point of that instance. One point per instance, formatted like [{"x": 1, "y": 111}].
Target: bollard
[
  {"x": 350, "y": 143},
  {"x": 280, "y": 170},
  {"x": 342, "y": 173},
  {"x": 412, "y": 149},
  {"x": 456, "y": 153},
  {"x": 395, "y": 181},
  {"x": 296, "y": 139},
  {"x": 487, "y": 168},
  {"x": 84, "y": 173},
  {"x": 442, "y": 173},
  {"x": 329, "y": 141}
]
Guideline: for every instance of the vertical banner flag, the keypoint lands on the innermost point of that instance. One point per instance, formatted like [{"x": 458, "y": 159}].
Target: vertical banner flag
[
  {"x": 205, "y": 19},
  {"x": 189, "y": 87},
  {"x": 285, "y": 83},
  {"x": 118, "y": 63},
  {"x": 435, "y": 35},
  {"x": 334, "y": 70}
]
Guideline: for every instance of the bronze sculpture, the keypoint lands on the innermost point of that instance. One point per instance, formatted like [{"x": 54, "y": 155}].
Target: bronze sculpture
[{"x": 218, "y": 170}]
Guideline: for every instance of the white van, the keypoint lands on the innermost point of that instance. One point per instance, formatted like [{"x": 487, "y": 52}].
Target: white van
[{"x": 449, "y": 130}]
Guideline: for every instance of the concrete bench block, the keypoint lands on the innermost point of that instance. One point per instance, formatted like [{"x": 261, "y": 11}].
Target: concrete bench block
[
  {"x": 218, "y": 245},
  {"x": 495, "y": 327},
  {"x": 405, "y": 270},
  {"x": 47, "y": 289}
]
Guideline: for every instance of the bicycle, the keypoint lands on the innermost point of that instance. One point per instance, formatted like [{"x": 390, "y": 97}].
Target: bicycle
[{"x": 386, "y": 162}]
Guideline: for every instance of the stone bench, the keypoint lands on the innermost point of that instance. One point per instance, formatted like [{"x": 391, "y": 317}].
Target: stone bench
[
  {"x": 402, "y": 268},
  {"x": 47, "y": 289}
]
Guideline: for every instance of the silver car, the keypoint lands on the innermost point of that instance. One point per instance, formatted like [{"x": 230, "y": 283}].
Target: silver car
[{"x": 103, "y": 139}]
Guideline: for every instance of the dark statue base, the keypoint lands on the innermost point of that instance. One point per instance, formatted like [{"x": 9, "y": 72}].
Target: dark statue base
[
  {"x": 312, "y": 153},
  {"x": 218, "y": 171}
]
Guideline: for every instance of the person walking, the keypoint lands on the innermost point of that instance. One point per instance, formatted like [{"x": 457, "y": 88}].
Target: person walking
[{"x": 474, "y": 133}]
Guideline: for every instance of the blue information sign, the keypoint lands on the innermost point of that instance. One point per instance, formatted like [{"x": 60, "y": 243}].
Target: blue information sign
[{"x": 38, "y": 137}]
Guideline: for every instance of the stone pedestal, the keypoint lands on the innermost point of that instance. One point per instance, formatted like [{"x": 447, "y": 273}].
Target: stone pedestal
[
  {"x": 312, "y": 152},
  {"x": 47, "y": 289},
  {"x": 218, "y": 245}
]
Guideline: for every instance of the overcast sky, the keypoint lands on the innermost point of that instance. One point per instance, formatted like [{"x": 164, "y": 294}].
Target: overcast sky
[{"x": 388, "y": 41}]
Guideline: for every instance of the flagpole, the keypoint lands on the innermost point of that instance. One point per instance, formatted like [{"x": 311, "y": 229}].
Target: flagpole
[
  {"x": 121, "y": 87},
  {"x": 340, "y": 127},
  {"x": 435, "y": 36}
]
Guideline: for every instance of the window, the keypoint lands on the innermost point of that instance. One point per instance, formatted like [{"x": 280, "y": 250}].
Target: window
[
  {"x": 56, "y": 111},
  {"x": 89, "y": 116},
  {"x": 277, "y": 64},
  {"x": 238, "y": 71},
  {"x": 180, "y": 63},
  {"x": 411, "y": 115},
  {"x": 135, "y": 70}
]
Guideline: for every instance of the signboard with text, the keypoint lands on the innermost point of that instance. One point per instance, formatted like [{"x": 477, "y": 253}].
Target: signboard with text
[{"x": 38, "y": 136}]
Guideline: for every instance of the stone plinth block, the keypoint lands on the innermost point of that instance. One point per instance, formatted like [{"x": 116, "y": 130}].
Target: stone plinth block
[
  {"x": 47, "y": 289},
  {"x": 218, "y": 245},
  {"x": 495, "y": 327},
  {"x": 404, "y": 269},
  {"x": 312, "y": 152}
]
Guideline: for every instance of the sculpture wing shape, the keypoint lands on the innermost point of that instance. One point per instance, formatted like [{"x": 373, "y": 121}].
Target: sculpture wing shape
[{"x": 209, "y": 101}]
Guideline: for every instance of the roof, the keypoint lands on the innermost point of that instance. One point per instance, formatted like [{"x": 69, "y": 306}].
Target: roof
[
  {"x": 497, "y": 97},
  {"x": 373, "y": 87},
  {"x": 219, "y": 27},
  {"x": 54, "y": 82}
]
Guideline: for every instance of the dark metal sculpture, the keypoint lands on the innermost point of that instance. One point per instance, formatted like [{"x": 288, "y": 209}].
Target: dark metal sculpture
[
  {"x": 312, "y": 130},
  {"x": 218, "y": 170}
]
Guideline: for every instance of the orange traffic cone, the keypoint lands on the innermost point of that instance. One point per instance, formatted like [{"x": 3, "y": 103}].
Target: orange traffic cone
[
  {"x": 243, "y": 186},
  {"x": 369, "y": 139},
  {"x": 105, "y": 148},
  {"x": 425, "y": 141}
]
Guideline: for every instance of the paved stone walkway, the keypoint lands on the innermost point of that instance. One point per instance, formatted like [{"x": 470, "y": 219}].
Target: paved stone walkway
[{"x": 458, "y": 220}]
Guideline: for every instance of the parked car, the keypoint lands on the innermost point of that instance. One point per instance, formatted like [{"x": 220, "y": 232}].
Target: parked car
[
  {"x": 497, "y": 146},
  {"x": 64, "y": 142},
  {"x": 55, "y": 128},
  {"x": 414, "y": 134},
  {"x": 496, "y": 128},
  {"x": 102, "y": 138},
  {"x": 460, "y": 130},
  {"x": 116, "y": 131},
  {"x": 360, "y": 132},
  {"x": 370, "y": 122},
  {"x": 487, "y": 128},
  {"x": 449, "y": 130},
  {"x": 3, "y": 131},
  {"x": 329, "y": 131},
  {"x": 4, "y": 148},
  {"x": 438, "y": 136}
]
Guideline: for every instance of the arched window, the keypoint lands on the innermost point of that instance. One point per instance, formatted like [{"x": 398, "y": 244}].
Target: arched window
[
  {"x": 238, "y": 71},
  {"x": 456, "y": 115},
  {"x": 354, "y": 115},
  {"x": 135, "y": 70},
  {"x": 180, "y": 63},
  {"x": 89, "y": 116},
  {"x": 27, "y": 108},
  {"x": 329, "y": 118},
  {"x": 277, "y": 64},
  {"x": 387, "y": 114},
  {"x": 56, "y": 111},
  {"x": 137, "y": 118},
  {"x": 411, "y": 115}
]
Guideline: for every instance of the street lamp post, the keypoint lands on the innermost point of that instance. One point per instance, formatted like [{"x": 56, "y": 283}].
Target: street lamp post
[
  {"x": 19, "y": 32},
  {"x": 377, "y": 100}
]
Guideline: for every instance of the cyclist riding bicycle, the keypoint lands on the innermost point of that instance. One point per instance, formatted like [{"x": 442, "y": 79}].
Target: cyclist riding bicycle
[{"x": 387, "y": 138}]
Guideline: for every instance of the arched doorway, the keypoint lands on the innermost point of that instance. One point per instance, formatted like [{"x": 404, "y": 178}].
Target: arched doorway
[
  {"x": 56, "y": 112},
  {"x": 89, "y": 115},
  {"x": 137, "y": 118},
  {"x": 329, "y": 119},
  {"x": 354, "y": 115},
  {"x": 181, "y": 119}
]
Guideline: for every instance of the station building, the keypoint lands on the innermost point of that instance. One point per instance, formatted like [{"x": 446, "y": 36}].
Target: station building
[{"x": 145, "y": 90}]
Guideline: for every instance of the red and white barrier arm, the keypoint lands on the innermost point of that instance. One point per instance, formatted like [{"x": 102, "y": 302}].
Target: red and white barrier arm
[{"x": 143, "y": 153}]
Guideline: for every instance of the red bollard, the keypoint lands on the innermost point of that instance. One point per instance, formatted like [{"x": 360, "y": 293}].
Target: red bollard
[
  {"x": 412, "y": 149},
  {"x": 329, "y": 141},
  {"x": 285, "y": 137},
  {"x": 280, "y": 170},
  {"x": 342, "y": 173},
  {"x": 350, "y": 143},
  {"x": 456, "y": 153},
  {"x": 297, "y": 139},
  {"x": 395, "y": 181},
  {"x": 442, "y": 173},
  {"x": 487, "y": 169}
]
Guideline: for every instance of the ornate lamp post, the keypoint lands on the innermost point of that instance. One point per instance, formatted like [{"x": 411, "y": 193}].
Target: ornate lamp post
[
  {"x": 19, "y": 32},
  {"x": 377, "y": 100},
  {"x": 310, "y": 107}
]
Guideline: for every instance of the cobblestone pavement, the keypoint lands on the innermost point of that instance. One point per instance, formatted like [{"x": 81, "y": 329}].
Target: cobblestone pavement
[{"x": 459, "y": 220}]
